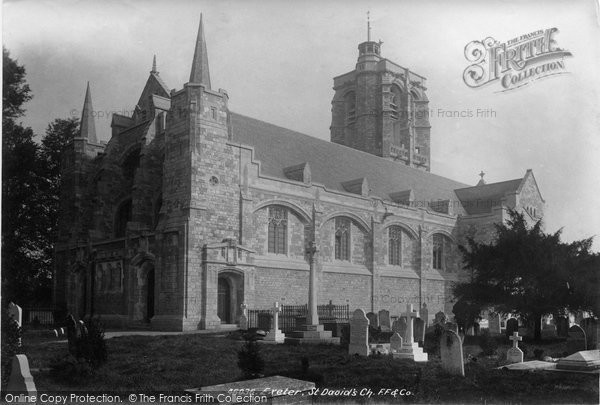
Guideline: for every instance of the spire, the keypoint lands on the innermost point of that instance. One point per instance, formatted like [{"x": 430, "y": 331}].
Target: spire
[
  {"x": 154, "y": 65},
  {"x": 482, "y": 181},
  {"x": 88, "y": 128},
  {"x": 200, "y": 72},
  {"x": 368, "y": 26}
]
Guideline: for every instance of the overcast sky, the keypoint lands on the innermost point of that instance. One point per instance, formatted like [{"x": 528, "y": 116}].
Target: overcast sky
[{"x": 277, "y": 60}]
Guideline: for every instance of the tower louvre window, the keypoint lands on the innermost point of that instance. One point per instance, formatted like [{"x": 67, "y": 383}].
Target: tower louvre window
[
  {"x": 278, "y": 221},
  {"x": 342, "y": 238},
  {"x": 395, "y": 245},
  {"x": 350, "y": 106}
]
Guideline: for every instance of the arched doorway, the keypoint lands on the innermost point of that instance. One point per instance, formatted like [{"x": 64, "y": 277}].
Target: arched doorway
[
  {"x": 224, "y": 300},
  {"x": 150, "y": 295}
]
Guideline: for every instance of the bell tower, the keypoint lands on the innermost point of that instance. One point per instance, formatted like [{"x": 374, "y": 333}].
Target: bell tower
[{"x": 381, "y": 108}]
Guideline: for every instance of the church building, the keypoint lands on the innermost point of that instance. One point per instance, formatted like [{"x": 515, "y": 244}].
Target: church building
[{"x": 190, "y": 209}]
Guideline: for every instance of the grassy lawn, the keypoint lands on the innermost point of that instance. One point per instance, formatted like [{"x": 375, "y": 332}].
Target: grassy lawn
[{"x": 174, "y": 363}]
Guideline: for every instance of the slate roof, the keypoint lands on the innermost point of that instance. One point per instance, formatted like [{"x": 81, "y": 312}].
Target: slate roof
[
  {"x": 480, "y": 199},
  {"x": 332, "y": 164}
]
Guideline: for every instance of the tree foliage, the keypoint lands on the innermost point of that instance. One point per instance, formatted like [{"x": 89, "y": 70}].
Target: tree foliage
[
  {"x": 30, "y": 186},
  {"x": 530, "y": 273}
]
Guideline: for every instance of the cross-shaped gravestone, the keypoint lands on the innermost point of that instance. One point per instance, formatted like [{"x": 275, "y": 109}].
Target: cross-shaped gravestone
[
  {"x": 276, "y": 311},
  {"x": 514, "y": 354},
  {"x": 410, "y": 315}
]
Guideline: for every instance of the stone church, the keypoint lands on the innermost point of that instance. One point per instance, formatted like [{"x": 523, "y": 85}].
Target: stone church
[{"x": 190, "y": 209}]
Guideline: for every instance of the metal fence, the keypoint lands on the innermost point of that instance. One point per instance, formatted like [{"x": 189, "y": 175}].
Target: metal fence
[
  {"x": 291, "y": 316},
  {"x": 38, "y": 316}
]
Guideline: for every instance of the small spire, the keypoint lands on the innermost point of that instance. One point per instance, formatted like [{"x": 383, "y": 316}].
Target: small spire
[
  {"x": 88, "y": 128},
  {"x": 154, "y": 65},
  {"x": 200, "y": 73},
  {"x": 482, "y": 181},
  {"x": 368, "y": 26}
]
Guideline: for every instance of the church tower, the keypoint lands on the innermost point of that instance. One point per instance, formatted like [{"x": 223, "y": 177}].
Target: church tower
[{"x": 381, "y": 108}]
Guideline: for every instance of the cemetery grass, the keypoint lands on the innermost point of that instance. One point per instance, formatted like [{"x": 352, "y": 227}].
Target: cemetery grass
[{"x": 174, "y": 363}]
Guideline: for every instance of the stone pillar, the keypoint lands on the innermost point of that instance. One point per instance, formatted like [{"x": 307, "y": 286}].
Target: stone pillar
[{"x": 313, "y": 314}]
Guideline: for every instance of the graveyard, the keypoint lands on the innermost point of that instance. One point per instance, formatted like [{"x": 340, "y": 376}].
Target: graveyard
[{"x": 428, "y": 364}]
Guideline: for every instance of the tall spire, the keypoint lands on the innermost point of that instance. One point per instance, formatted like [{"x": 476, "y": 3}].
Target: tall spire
[
  {"x": 88, "y": 128},
  {"x": 154, "y": 65},
  {"x": 200, "y": 72},
  {"x": 368, "y": 26}
]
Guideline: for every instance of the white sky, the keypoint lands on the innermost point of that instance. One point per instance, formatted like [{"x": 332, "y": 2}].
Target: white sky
[{"x": 277, "y": 60}]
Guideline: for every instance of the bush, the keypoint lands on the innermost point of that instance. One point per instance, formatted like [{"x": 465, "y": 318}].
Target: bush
[
  {"x": 488, "y": 343},
  {"x": 250, "y": 360},
  {"x": 11, "y": 344}
]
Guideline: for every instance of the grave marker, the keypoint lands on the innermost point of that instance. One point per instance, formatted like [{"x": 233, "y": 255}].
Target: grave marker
[
  {"x": 373, "y": 320},
  {"x": 243, "y": 323},
  {"x": 494, "y": 323},
  {"x": 384, "y": 320},
  {"x": 395, "y": 343},
  {"x": 451, "y": 352},
  {"x": 514, "y": 354},
  {"x": 275, "y": 335},
  {"x": 21, "y": 380},
  {"x": 577, "y": 339},
  {"x": 410, "y": 349},
  {"x": 359, "y": 334},
  {"x": 512, "y": 326},
  {"x": 16, "y": 313},
  {"x": 419, "y": 331}
]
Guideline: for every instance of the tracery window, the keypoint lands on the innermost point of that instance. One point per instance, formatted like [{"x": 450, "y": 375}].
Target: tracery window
[
  {"x": 342, "y": 238},
  {"x": 278, "y": 221},
  {"x": 438, "y": 251},
  {"x": 395, "y": 245}
]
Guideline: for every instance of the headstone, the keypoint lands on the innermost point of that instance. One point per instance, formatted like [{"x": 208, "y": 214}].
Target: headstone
[
  {"x": 512, "y": 326},
  {"x": 16, "y": 313},
  {"x": 62, "y": 331},
  {"x": 588, "y": 360},
  {"x": 21, "y": 380},
  {"x": 577, "y": 339},
  {"x": 71, "y": 333},
  {"x": 55, "y": 332},
  {"x": 359, "y": 334},
  {"x": 425, "y": 314},
  {"x": 440, "y": 318},
  {"x": 373, "y": 320},
  {"x": 514, "y": 354},
  {"x": 451, "y": 352},
  {"x": 384, "y": 320},
  {"x": 82, "y": 329},
  {"x": 275, "y": 335},
  {"x": 419, "y": 333},
  {"x": 395, "y": 343},
  {"x": 590, "y": 327},
  {"x": 562, "y": 326},
  {"x": 399, "y": 326},
  {"x": 451, "y": 326},
  {"x": 410, "y": 349},
  {"x": 243, "y": 322}
]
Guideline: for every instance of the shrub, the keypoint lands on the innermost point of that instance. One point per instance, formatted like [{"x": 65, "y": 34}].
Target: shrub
[
  {"x": 11, "y": 344},
  {"x": 488, "y": 343},
  {"x": 250, "y": 360}
]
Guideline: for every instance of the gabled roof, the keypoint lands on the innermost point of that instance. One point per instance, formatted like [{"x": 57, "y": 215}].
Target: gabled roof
[
  {"x": 332, "y": 164},
  {"x": 481, "y": 198}
]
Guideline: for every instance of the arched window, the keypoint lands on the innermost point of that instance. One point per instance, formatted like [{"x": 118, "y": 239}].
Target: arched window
[
  {"x": 342, "y": 238},
  {"x": 350, "y": 104},
  {"x": 122, "y": 217},
  {"x": 278, "y": 222},
  {"x": 440, "y": 246},
  {"x": 395, "y": 245}
]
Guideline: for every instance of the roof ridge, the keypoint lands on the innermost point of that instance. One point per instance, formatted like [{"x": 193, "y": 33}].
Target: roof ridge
[{"x": 492, "y": 184}]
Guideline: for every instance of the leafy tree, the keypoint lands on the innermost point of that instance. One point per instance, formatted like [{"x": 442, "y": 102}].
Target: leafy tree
[{"x": 530, "y": 273}]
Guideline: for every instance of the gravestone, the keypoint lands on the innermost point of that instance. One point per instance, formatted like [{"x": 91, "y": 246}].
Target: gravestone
[
  {"x": 384, "y": 320},
  {"x": 71, "y": 333},
  {"x": 373, "y": 320},
  {"x": 410, "y": 349},
  {"x": 419, "y": 331},
  {"x": 577, "y": 340},
  {"x": 400, "y": 326},
  {"x": 514, "y": 354},
  {"x": 562, "y": 326},
  {"x": 451, "y": 352},
  {"x": 512, "y": 326},
  {"x": 55, "y": 332},
  {"x": 395, "y": 343},
  {"x": 587, "y": 360},
  {"x": 590, "y": 327},
  {"x": 16, "y": 313},
  {"x": 82, "y": 329},
  {"x": 359, "y": 334},
  {"x": 62, "y": 331},
  {"x": 440, "y": 318},
  {"x": 425, "y": 314},
  {"x": 21, "y": 380},
  {"x": 243, "y": 322},
  {"x": 275, "y": 335}
]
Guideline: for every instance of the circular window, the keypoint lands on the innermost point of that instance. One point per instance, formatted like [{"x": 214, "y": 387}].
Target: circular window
[{"x": 214, "y": 181}]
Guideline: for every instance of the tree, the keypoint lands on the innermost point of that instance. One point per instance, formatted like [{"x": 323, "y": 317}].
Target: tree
[{"x": 528, "y": 272}]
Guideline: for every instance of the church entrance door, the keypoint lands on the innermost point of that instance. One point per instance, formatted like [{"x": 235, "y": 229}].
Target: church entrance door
[
  {"x": 150, "y": 296},
  {"x": 224, "y": 301}
]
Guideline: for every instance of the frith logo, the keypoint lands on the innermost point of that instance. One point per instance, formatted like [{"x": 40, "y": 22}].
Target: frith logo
[{"x": 515, "y": 63}]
